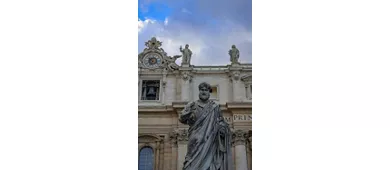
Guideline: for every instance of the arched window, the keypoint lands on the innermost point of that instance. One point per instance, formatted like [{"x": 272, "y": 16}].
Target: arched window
[{"x": 146, "y": 159}]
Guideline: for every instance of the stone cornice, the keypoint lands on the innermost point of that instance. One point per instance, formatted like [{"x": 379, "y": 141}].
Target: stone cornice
[
  {"x": 154, "y": 108},
  {"x": 195, "y": 71},
  {"x": 180, "y": 105},
  {"x": 239, "y": 105}
]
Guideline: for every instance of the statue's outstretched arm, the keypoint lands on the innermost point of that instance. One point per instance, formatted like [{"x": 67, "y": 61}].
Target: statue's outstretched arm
[{"x": 186, "y": 113}]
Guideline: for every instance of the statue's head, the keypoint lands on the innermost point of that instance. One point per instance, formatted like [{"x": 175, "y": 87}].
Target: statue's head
[
  {"x": 233, "y": 46},
  {"x": 187, "y": 46},
  {"x": 204, "y": 91}
]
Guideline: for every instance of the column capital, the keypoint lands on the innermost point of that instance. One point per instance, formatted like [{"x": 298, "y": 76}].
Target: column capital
[
  {"x": 182, "y": 135},
  {"x": 173, "y": 138},
  {"x": 158, "y": 146},
  {"x": 239, "y": 137}
]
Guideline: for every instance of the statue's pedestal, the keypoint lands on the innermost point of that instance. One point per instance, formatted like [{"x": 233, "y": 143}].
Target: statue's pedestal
[
  {"x": 235, "y": 64},
  {"x": 185, "y": 65}
]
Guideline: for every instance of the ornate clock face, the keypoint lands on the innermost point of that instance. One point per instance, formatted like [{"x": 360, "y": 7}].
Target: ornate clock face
[{"x": 152, "y": 60}]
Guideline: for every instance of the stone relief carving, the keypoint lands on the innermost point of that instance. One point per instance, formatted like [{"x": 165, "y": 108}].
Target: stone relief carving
[
  {"x": 154, "y": 57},
  {"x": 170, "y": 62},
  {"x": 186, "y": 53},
  {"x": 234, "y": 55},
  {"x": 186, "y": 75},
  {"x": 153, "y": 44},
  {"x": 164, "y": 84},
  {"x": 235, "y": 75}
]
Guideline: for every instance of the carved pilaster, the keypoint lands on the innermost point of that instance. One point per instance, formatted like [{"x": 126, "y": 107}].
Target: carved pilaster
[
  {"x": 234, "y": 78},
  {"x": 164, "y": 84},
  {"x": 164, "y": 78},
  {"x": 185, "y": 87},
  {"x": 239, "y": 137},
  {"x": 173, "y": 138},
  {"x": 239, "y": 142}
]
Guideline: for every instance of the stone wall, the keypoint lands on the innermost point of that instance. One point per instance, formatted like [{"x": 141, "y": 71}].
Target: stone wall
[{"x": 158, "y": 124}]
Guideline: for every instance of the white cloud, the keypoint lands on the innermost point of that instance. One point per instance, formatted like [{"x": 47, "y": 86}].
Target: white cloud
[
  {"x": 185, "y": 11},
  {"x": 208, "y": 48},
  {"x": 166, "y": 21},
  {"x": 143, "y": 24},
  {"x": 210, "y": 31}
]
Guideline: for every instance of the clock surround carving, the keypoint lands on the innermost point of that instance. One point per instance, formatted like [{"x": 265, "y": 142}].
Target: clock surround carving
[{"x": 154, "y": 57}]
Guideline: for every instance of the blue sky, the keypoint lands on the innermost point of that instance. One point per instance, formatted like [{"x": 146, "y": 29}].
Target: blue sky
[{"x": 209, "y": 27}]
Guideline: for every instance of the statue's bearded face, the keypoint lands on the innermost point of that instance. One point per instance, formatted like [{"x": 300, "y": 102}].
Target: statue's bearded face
[{"x": 204, "y": 93}]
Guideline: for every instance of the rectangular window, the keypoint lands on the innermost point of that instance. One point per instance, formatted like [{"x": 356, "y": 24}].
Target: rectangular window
[
  {"x": 150, "y": 90},
  {"x": 214, "y": 93}
]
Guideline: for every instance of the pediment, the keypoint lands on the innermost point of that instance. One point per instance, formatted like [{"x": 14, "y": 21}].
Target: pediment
[{"x": 145, "y": 138}]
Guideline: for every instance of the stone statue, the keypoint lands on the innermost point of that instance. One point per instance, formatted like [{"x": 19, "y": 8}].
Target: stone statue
[
  {"x": 234, "y": 54},
  {"x": 171, "y": 62},
  {"x": 187, "y": 53},
  {"x": 209, "y": 136}
]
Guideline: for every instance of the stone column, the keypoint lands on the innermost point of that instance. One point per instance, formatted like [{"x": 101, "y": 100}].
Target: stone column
[
  {"x": 173, "y": 137},
  {"x": 157, "y": 164},
  {"x": 248, "y": 138},
  {"x": 240, "y": 150},
  {"x": 167, "y": 153},
  {"x": 182, "y": 139},
  {"x": 164, "y": 84},
  {"x": 185, "y": 86},
  {"x": 235, "y": 78}
]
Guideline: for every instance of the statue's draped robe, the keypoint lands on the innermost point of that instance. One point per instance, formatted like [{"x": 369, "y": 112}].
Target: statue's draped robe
[
  {"x": 234, "y": 55},
  {"x": 209, "y": 138},
  {"x": 186, "y": 56}
]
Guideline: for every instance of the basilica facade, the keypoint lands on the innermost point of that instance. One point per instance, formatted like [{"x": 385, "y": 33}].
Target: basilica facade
[{"x": 165, "y": 87}]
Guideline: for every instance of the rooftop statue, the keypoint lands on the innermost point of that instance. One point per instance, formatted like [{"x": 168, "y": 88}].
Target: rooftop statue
[
  {"x": 209, "y": 136},
  {"x": 234, "y": 54},
  {"x": 187, "y": 53}
]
